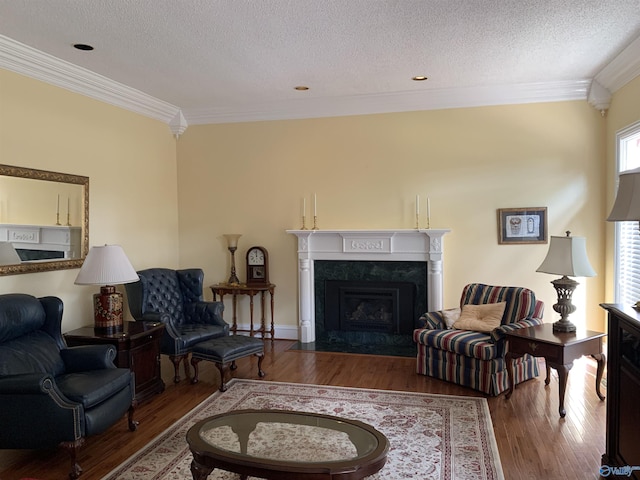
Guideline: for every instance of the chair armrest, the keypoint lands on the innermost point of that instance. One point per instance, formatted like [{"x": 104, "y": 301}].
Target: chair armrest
[
  {"x": 205, "y": 312},
  {"x": 26, "y": 383},
  {"x": 432, "y": 321},
  {"x": 29, "y": 402},
  {"x": 500, "y": 332},
  {"x": 88, "y": 357}
]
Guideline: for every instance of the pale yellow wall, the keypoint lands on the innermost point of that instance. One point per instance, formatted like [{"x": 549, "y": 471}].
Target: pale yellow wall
[
  {"x": 624, "y": 111},
  {"x": 250, "y": 178},
  {"x": 131, "y": 164}
]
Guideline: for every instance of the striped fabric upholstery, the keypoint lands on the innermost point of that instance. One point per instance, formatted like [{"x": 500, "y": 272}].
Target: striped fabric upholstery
[
  {"x": 475, "y": 359},
  {"x": 464, "y": 342},
  {"x": 489, "y": 377},
  {"x": 521, "y": 302}
]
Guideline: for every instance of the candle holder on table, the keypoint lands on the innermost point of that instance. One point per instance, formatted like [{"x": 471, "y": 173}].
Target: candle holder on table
[{"x": 232, "y": 245}]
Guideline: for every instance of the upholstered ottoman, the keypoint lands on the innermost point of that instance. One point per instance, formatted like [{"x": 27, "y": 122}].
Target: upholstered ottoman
[{"x": 225, "y": 350}]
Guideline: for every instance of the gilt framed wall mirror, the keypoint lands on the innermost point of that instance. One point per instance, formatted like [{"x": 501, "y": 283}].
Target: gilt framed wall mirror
[{"x": 44, "y": 220}]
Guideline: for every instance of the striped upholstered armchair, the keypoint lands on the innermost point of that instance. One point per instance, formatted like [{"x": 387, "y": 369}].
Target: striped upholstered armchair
[{"x": 474, "y": 358}]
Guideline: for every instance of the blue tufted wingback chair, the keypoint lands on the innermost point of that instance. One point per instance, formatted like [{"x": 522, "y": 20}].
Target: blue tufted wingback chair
[
  {"x": 53, "y": 395},
  {"x": 174, "y": 297}
]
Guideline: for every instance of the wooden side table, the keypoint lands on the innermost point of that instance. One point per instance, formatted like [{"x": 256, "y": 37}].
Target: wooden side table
[
  {"x": 559, "y": 351},
  {"x": 137, "y": 348},
  {"x": 223, "y": 289}
]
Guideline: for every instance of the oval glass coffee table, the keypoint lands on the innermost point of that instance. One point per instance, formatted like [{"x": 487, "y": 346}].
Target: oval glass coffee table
[{"x": 281, "y": 444}]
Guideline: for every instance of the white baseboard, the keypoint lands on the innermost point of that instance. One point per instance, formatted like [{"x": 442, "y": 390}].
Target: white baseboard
[{"x": 282, "y": 332}]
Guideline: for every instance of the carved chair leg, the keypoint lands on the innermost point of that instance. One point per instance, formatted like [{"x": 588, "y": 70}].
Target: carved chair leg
[
  {"x": 176, "y": 366},
  {"x": 72, "y": 450},
  {"x": 187, "y": 370},
  {"x": 222, "y": 369},
  {"x": 194, "y": 362},
  {"x": 260, "y": 358},
  {"x": 133, "y": 425}
]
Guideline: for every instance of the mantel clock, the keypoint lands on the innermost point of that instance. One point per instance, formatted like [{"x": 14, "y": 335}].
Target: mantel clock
[{"x": 257, "y": 266}]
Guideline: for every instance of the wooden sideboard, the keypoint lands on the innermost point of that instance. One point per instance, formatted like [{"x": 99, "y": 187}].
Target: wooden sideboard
[{"x": 623, "y": 389}]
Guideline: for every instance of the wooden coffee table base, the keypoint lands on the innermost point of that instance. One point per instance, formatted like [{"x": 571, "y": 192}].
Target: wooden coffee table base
[{"x": 559, "y": 350}]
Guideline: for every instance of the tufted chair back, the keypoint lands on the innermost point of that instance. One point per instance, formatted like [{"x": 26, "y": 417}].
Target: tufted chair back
[{"x": 166, "y": 292}]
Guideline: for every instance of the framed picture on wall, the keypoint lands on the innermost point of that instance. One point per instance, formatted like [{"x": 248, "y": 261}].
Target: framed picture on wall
[{"x": 522, "y": 225}]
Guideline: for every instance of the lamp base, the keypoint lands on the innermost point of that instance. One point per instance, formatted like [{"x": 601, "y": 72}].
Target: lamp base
[
  {"x": 564, "y": 326},
  {"x": 107, "y": 307},
  {"x": 564, "y": 288}
]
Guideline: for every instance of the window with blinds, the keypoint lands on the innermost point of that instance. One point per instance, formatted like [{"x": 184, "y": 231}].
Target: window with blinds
[{"x": 627, "y": 236}]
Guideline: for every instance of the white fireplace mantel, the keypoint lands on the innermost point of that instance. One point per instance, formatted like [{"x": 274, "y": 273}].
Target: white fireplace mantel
[{"x": 365, "y": 245}]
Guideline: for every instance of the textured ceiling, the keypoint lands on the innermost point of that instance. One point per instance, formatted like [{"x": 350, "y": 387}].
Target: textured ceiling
[{"x": 217, "y": 57}]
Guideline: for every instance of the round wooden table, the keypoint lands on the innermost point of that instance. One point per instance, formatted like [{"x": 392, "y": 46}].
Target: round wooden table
[{"x": 286, "y": 445}]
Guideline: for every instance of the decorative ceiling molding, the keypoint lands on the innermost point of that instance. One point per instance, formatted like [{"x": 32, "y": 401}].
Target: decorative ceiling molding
[
  {"x": 178, "y": 124},
  {"x": 622, "y": 69},
  {"x": 33, "y": 63},
  {"x": 435, "y": 99},
  {"x": 599, "y": 97}
]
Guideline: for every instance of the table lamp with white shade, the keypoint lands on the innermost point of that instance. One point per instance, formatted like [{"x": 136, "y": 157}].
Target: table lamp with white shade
[
  {"x": 107, "y": 266},
  {"x": 567, "y": 256},
  {"x": 8, "y": 254},
  {"x": 626, "y": 207}
]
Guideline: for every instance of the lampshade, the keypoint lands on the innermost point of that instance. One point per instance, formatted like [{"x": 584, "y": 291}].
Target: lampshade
[
  {"x": 8, "y": 254},
  {"x": 106, "y": 265},
  {"x": 232, "y": 239},
  {"x": 627, "y": 204},
  {"x": 567, "y": 256}
]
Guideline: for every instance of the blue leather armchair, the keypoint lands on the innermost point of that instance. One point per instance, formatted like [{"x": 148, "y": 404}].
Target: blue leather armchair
[
  {"x": 53, "y": 395},
  {"x": 174, "y": 297}
]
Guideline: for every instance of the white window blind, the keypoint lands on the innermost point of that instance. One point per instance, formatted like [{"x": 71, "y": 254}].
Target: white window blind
[{"x": 627, "y": 240}]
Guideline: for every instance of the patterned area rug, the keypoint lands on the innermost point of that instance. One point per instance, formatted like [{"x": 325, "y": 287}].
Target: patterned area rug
[{"x": 431, "y": 436}]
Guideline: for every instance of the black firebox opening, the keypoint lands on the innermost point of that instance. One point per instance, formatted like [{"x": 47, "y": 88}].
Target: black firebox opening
[{"x": 369, "y": 306}]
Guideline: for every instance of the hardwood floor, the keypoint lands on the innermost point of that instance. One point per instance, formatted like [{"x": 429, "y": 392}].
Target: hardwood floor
[{"x": 534, "y": 442}]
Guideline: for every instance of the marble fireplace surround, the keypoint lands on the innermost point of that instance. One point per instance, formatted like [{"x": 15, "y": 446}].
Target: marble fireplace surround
[{"x": 365, "y": 245}]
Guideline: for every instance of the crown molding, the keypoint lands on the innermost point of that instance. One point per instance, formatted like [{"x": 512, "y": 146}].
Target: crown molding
[
  {"x": 33, "y": 63},
  {"x": 622, "y": 69},
  {"x": 435, "y": 99}
]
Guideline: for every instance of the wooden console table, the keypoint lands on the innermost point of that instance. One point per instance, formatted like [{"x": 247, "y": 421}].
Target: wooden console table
[
  {"x": 137, "y": 348},
  {"x": 223, "y": 289},
  {"x": 559, "y": 351}
]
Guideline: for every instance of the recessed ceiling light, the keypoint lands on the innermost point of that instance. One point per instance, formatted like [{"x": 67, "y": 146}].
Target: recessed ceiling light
[
  {"x": 419, "y": 78},
  {"x": 301, "y": 88},
  {"x": 82, "y": 46}
]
